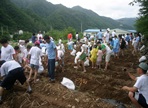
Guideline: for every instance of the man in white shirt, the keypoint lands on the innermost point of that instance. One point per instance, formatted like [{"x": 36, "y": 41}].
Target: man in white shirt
[
  {"x": 139, "y": 92},
  {"x": 7, "y": 51},
  {"x": 10, "y": 72},
  {"x": 39, "y": 35},
  {"x": 107, "y": 36},
  {"x": 113, "y": 33}
]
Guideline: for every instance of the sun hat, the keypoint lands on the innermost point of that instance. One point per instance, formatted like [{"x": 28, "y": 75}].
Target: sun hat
[{"x": 143, "y": 66}]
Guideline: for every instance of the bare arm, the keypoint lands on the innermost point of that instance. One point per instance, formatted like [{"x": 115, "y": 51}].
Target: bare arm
[
  {"x": 132, "y": 76},
  {"x": 132, "y": 89},
  {"x": 56, "y": 53}
]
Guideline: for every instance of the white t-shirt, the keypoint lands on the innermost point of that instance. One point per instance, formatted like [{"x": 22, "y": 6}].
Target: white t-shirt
[
  {"x": 7, "y": 53},
  {"x": 77, "y": 36},
  {"x": 108, "y": 50},
  {"x": 77, "y": 56},
  {"x": 8, "y": 66},
  {"x": 106, "y": 36},
  {"x": 73, "y": 53},
  {"x": 39, "y": 35},
  {"x": 60, "y": 54},
  {"x": 35, "y": 53},
  {"x": 142, "y": 85},
  {"x": 113, "y": 33},
  {"x": 84, "y": 48}
]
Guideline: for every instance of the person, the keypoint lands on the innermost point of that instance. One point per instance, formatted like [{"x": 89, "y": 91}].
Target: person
[
  {"x": 39, "y": 35},
  {"x": 60, "y": 54},
  {"x": 107, "y": 35},
  {"x": 33, "y": 38},
  {"x": 10, "y": 72},
  {"x": 127, "y": 38},
  {"x": 81, "y": 57},
  {"x": 122, "y": 45},
  {"x": 135, "y": 44},
  {"x": 100, "y": 35},
  {"x": 138, "y": 94},
  {"x": 107, "y": 51},
  {"x": 116, "y": 46},
  {"x": 77, "y": 36},
  {"x": 113, "y": 33},
  {"x": 52, "y": 57},
  {"x": 93, "y": 57},
  {"x": 69, "y": 36},
  {"x": 7, "y": 51},
  {"x": 34, "y": 55},
  {"x": 70, "y": 45},
  {"x": 99, "y": 58},
  {"x": 18, "y": 55}
]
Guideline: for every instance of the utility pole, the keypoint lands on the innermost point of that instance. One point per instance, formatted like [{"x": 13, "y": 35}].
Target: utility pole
[
  {"x": 81, "y": 27},
  {"x": 2, "y": 30},
  {"x": 7, "y": 29}
]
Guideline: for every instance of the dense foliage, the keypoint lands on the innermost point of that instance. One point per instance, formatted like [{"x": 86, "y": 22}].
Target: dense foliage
[{"x": 142, "y": 22}]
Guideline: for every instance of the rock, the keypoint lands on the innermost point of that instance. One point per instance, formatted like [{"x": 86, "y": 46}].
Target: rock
[
  {"x": 73, "y": 107},
  {"x": 77, "y": 100}
]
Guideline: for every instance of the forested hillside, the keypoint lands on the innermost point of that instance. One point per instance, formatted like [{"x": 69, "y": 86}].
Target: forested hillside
[
  {"x": 35, "y": 15},
  {"x": 128, "y": 21}
]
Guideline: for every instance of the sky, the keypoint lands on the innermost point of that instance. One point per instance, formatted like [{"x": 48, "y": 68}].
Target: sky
[{"x": 115, "y": 9}]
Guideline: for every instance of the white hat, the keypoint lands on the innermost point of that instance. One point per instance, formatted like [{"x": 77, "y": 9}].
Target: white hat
[
  {"x": 143, "y": 58},
  {"x": 108, "y": 29}
]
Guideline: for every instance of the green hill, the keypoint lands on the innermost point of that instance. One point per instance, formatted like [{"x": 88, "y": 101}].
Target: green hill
[
  {"x": 128, "y": 21},
  {"x": 35, "y": 15}
]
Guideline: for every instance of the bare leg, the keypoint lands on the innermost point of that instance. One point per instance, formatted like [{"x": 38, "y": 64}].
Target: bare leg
[
  {"x": 84, "y": 70},
  {"x": 134, "y": 101},
  {"x": 1, "y": 93},
  {"x": 35, "y": 75},
  {"x": 106, "y": 65}
]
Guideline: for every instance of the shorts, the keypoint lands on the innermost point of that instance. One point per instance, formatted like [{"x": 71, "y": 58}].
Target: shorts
[
  {"x": 99, "y": 62},
  {"x": 13, "y": 75},
  {"x": 141, "y": 100},
  {"x": 83, "y": 57},
  {"x": 107, "y": 58},
  {"x": 34, "y": 66}
]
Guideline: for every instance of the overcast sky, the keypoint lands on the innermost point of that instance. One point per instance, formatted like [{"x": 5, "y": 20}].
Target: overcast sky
[{"x": 110, "y": 8}]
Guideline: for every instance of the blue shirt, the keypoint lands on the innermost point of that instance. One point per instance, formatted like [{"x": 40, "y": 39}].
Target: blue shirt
[
  {"x": 33, "y": 39},
  {"x": 51, "y": 50},
  {"x": 100, "y": 35},
  {"x": 137, "y": 39}
]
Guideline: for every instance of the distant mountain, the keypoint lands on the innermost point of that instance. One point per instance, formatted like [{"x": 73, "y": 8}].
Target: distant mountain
[
  {"x": 34, "y": 15},
  {"x": 128, "y": 21}
]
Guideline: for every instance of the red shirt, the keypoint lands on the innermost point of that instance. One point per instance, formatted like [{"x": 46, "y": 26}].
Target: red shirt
[{"x": 69, "y": 36}]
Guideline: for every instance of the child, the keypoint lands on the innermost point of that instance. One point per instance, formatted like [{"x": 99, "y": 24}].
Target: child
[
  {"x": 60, "y": 54},
  {"x": 99, "y": 57},
  {"x": 73, "y": 53},
  {"x": 93, "y": 57},
  {"x": 18, "y": 55},
  {"x": 34, "y": 54}
]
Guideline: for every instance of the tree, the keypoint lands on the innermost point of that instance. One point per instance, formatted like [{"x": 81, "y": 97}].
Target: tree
[{"x": 142, "y": 22}]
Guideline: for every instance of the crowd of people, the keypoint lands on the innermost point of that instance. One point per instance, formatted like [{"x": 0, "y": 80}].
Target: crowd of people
[{"x": 87, "y": 51}]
